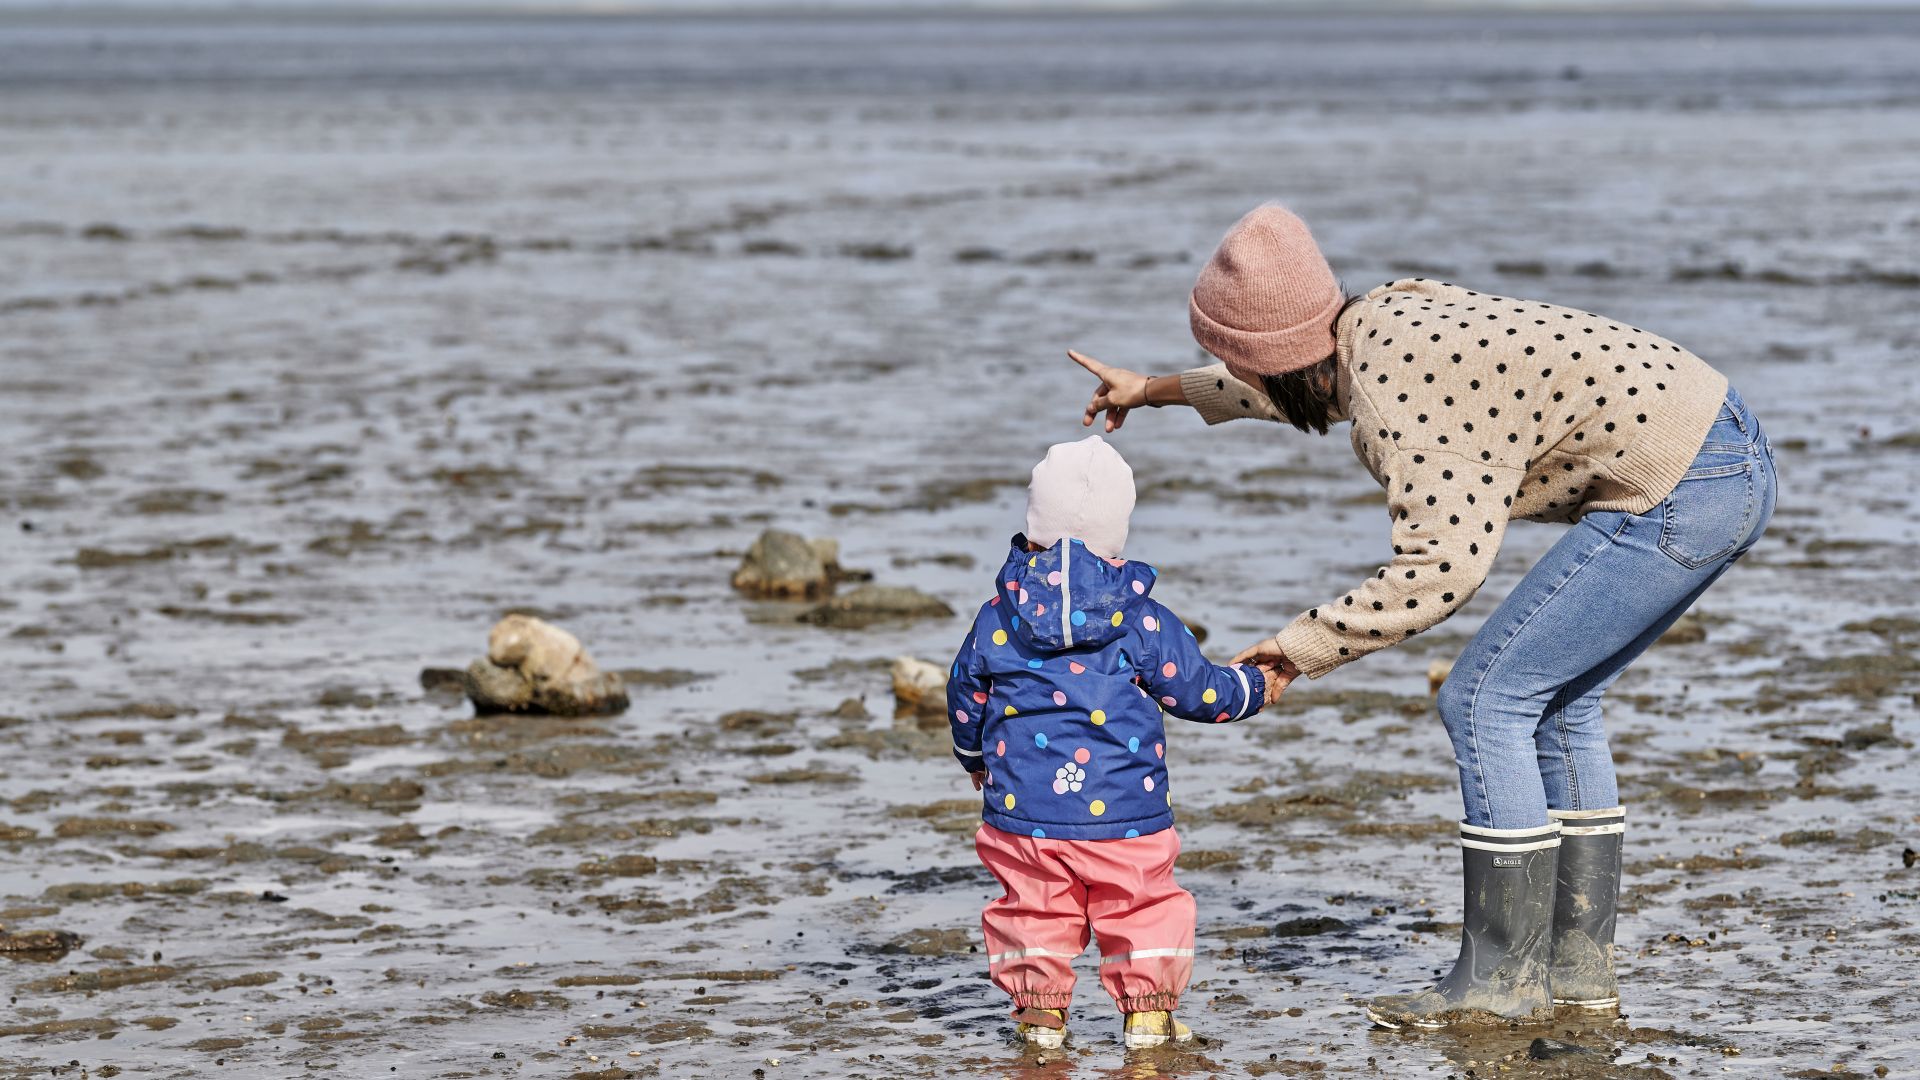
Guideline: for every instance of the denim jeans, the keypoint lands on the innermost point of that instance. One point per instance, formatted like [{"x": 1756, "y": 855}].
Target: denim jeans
[{"x": 1522, "y": 705}]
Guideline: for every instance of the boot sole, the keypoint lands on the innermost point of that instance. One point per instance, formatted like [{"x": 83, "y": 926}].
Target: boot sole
[{"x": 1394, "y": 1025}]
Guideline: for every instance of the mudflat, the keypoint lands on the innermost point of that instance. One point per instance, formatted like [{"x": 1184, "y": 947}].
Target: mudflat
[{"x": 324, "y": 345}]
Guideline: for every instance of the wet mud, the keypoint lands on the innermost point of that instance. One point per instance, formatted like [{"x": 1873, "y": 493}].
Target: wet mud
[{"x": 317, "y": 362}]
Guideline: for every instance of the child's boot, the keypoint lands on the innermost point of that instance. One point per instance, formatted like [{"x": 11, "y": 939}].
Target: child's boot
[
  {"x": 1045, "y": 1028},
  {"x": 1144, "y": 1029}
]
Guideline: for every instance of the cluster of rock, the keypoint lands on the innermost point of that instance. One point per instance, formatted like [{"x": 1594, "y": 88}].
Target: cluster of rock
[
  {"x": 786, "y": 566},
  {"x": 533, "y": 666}
]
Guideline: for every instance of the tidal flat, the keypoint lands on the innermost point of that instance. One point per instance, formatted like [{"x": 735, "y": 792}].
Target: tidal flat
[{"x": 323, "y": 345}]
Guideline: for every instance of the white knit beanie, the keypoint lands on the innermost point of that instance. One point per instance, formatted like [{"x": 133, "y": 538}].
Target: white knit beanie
[{"x": 1082, "y": 490}]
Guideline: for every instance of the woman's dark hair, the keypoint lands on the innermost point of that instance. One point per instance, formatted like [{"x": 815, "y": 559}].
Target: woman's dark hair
[{"x": 1306, "y": 396}]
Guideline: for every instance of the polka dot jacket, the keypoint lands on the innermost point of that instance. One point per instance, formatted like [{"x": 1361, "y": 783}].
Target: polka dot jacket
[
  {"x": 1471, "y": 410},
  {"x": 1058, "y": 689}
]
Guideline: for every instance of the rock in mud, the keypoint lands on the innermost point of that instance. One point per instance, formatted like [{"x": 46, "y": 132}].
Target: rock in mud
[
  {"x": 1309, "y": 926},
  {"x": 1553, "y": 1049},
  {"x": 443, "y": 680},
  {"x": 870, "y": 604},
  {"x": 39, "y": 941},
  {"x": 930, "y": 942},
  {"x": 621, "y": 866},
  {"x": 1689, "y": 629},
  {"x": 919, "y": 685},
  {"x": 786, "y": 565},
  {"x": 534, "y": 666}
]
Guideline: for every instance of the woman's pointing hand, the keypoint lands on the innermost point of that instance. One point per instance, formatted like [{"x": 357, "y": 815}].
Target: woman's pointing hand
[{"x": 1120, "y": 391}]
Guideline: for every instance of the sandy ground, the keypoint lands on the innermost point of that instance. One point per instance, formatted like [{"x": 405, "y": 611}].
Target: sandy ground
[{"x": 322, "y": 348}]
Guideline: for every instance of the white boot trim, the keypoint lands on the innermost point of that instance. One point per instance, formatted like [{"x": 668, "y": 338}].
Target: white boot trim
[
  {"x": 1577, "y": 815},
  {"x": 1539, "y": 845},
  {"x": 1570, "y": 821},
  {"x": 1141, "y": 954},
  {"x": 1477, "y": 830},
  {"x": 1484, "y": 839}
]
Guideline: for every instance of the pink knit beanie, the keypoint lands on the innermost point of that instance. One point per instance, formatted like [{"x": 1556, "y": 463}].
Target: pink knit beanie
[
  {"x": 1082, "y": 490},
  {"x": 1265, "y": 303}
]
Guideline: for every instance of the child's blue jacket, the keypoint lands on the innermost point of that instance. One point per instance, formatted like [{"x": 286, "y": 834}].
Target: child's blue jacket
[{"x": 1058, "y": 688}]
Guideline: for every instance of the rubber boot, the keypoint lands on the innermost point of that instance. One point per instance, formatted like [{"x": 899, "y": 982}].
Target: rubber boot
[
  {"x": 1044, "y": 1028},
  {"x": 1505, "y": 938},
  {"x": 1585, "y": 901},
  {"x": 1145, "y": 1029}
]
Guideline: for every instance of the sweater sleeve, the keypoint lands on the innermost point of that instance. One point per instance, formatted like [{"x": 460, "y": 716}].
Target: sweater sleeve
[
  {"x": 1173, "y": 669},
  {"x": 967, "y": 688},
  {"x": 1219, "y": 397},
  {"x": 1449, "y": 514}
]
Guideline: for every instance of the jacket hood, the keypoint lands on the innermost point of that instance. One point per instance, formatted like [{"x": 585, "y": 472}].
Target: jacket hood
[{"x": 1067, "y": 597}]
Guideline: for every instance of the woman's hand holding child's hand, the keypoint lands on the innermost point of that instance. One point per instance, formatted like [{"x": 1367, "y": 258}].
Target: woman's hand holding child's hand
[{"x": 1273, "y": 664}]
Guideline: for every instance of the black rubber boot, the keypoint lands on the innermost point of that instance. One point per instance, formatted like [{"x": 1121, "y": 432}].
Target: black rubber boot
[
  {"x": 1585, "y": 902},
  {"x": 1505, "y": 938}
]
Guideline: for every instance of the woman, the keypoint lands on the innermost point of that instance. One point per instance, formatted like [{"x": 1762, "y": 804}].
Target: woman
[{"x": 1472, "y": 410}]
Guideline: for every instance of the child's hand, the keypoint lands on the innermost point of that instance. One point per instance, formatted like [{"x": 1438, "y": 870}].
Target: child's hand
[
  {"x": 979, "y": 779},
  {"x": 1278, "y": 679}
]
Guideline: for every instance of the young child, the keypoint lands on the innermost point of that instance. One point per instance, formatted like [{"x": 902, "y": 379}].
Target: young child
[{"x": 1055, "y": 705}]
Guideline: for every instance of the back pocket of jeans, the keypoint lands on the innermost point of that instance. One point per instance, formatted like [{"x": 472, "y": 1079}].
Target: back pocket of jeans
[{"x": 1708, "y": 514}]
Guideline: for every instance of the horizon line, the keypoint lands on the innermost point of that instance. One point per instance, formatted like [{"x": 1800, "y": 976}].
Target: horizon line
[{"x": 57, "y": 11}]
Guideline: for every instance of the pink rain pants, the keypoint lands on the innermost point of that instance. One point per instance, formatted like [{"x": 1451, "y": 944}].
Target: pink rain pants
[{"x": 1059, "y": 890}]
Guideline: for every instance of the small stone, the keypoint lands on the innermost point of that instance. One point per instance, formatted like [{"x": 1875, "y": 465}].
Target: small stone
[
  {"x": 1309, "y": 926},
  {"x": 1550, "y": 1049},
  {"x": 919, "y": 685},
  {"x": 51, "y": 941},
  {"x": 534, "y": 666},
  {"x": 783, "y": 564},
  {"x": 442, "y": 680}
]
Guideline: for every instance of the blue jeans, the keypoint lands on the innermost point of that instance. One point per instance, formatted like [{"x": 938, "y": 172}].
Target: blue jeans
[{"x": 1522, "y": 705}]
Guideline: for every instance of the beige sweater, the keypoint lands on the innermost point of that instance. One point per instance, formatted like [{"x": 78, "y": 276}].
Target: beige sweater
[{"x": 1471, "y": 410}]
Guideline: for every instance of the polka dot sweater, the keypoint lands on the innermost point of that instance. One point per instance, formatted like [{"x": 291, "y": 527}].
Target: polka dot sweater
[{"x": 1472, "y": 410}]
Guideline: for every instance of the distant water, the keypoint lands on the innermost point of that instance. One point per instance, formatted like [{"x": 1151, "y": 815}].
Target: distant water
[{"x": 1424, "y": 61}]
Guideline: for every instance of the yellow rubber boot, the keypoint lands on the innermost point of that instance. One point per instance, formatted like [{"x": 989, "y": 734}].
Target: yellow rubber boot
[
  {"x": 1146, "y": 1029},
  {"x": 1045, "y": 1028}
]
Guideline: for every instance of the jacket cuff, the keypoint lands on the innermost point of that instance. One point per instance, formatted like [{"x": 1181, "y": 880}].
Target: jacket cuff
[
  {"x": 1312, "y": 649},
  {"x": 1256, "y": 686},
  {"x": 1217, "y": 396}
]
